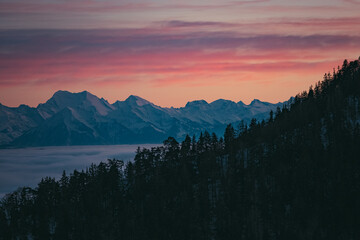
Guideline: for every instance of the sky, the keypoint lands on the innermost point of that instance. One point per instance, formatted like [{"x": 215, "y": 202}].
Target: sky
[{"x": 171, "y": 52}]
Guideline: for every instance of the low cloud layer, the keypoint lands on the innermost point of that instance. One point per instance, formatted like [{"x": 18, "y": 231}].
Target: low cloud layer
[{"x": 26, "y": 167}]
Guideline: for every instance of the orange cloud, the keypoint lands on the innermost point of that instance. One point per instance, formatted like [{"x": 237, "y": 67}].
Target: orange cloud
[{"x": 158, "y": 61}]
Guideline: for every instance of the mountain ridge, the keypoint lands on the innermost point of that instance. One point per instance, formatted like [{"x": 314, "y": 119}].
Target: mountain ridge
[
  {"x": 83, "y": 118},
  {"x": 293, "y": 176}
]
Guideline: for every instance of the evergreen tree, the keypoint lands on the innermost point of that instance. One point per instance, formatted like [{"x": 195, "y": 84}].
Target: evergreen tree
[{"x": 295, "y": 176}]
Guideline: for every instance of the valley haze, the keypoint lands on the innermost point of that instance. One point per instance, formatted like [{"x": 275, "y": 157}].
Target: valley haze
[{"x": 27, "y": 166}]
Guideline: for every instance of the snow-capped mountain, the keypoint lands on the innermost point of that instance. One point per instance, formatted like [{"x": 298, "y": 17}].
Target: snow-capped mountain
[
  {"x": 16, "y": 121},
  {"x": 83, "y": 118},
  {"x": 83, "y": 100}
]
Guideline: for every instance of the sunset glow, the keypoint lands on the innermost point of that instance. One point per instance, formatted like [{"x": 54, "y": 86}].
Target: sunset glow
[{"x": 171, "y": 52}]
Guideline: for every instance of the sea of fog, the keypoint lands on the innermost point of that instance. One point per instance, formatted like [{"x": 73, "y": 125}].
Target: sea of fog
[{"x": 26, "y": 166}]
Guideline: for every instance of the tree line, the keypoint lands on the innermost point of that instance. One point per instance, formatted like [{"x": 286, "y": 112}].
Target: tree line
[{"x": 295, "y": 175}]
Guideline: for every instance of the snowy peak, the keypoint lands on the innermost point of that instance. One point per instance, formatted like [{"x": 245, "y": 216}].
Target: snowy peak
[
  {"x": 240, "y": 103},
  {"x": 83, "y": 118},
  {"x": 196, "y": 103},
  {"x": 256, "y": 102},
  {"x": 83, "y": 100},
  {"x": 64, "y": 98},
  {"x": 101, "y": 105},
  {"x": 222, "y": 103},
  {"x": 132, "y": 99}
]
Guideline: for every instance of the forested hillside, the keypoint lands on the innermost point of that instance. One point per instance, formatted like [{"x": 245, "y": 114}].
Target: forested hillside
[{"x": 294, "y": 176}]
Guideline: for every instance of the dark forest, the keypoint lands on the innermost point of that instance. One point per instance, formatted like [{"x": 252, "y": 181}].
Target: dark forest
[{"x": 294, "y": 176}]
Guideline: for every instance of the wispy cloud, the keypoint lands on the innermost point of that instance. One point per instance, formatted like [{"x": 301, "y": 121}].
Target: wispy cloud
[
  {"x": 138, "y": 47},
  {"x": 108, "y": 56},
  {"x": 352, "y": 1},
  {"x": 112, "y": 6},
  {"x": 101, "y": 41},
  {"x": 74, "y": 7}
]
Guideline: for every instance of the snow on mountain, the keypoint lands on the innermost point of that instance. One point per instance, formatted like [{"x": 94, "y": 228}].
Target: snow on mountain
[
  {"x": 16, "y": 121},
  {"x": 83, "y": 118},
  {"x": 85, "y": 100},
  {"x": 137, "y": 113},
  {"x": 258, "y": 108},
  {"x": 132, "y": 99}
]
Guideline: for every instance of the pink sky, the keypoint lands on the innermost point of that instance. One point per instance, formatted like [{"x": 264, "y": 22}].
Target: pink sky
[{"x": 172, "y": 52}]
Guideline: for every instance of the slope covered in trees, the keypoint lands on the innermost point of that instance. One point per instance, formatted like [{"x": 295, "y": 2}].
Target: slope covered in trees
[{"x": 295, "y": 176}]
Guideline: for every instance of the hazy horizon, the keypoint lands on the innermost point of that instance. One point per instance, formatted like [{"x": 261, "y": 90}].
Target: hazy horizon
[
  {"x": 169, "y": 52},
  {"x": 25, "y": 167},
  {"x": 100, "y": 97}
]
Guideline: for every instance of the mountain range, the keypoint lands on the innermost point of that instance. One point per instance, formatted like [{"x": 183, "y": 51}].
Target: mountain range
[
  {"x": 84, "y": 119},
  {"x": 293, "y": 176}
]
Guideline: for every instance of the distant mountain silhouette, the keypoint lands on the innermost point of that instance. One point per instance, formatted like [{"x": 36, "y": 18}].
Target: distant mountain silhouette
[
  {"x": 84, "y": 119},
  {"x": 293, "y": 176}
]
